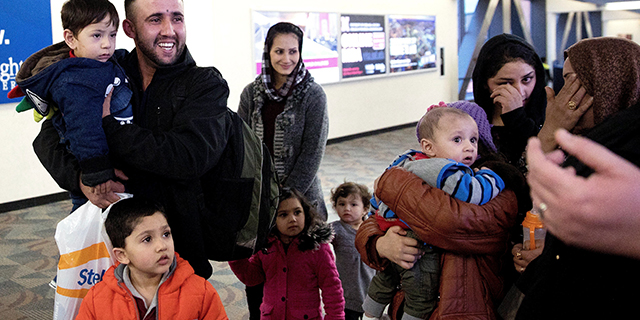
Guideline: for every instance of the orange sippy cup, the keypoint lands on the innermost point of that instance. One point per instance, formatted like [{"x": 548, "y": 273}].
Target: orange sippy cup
[{"x": 533, "y": 231}]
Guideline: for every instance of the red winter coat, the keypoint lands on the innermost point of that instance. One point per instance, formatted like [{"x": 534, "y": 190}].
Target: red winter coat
[
  {"x": 293, "y": 280},
  {"x": 183, "y": 295},
  {"x": 474, "y": 239}
]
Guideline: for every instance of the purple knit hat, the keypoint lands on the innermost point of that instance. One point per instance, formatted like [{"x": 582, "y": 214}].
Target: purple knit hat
[{"x": 477, "y": 113}]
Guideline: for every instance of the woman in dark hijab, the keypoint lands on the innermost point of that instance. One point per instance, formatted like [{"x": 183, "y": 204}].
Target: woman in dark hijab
[
  {"x": 508, "y": 83},
  {"x": 566, "y": 281}
]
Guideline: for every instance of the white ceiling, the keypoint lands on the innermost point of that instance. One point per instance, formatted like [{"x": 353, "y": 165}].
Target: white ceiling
[{"x": 603, "y": 2}]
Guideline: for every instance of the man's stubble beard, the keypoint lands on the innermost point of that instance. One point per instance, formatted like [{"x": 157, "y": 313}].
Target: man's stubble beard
[{"x": 152, "y": 56}]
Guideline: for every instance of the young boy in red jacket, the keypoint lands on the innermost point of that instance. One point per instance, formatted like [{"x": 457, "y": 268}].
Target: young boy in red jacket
[{"x": 150, "y": 281}]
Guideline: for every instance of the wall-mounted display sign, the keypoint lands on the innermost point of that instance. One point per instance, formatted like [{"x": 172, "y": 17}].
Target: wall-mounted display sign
[
  {"x": 369, "y": 44},
  {"x": 25, "y": 27},
  {"x": 362, "y": 42},
  {"x": 319, "y": 48},
  {"x": 412, "y": 42}
]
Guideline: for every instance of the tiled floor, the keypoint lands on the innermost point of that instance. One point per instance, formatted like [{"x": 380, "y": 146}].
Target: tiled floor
[{"x": 28, "y": 253}]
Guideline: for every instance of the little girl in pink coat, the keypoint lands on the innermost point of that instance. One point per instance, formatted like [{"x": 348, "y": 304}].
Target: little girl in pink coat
[{"x": 296, "y": 265}]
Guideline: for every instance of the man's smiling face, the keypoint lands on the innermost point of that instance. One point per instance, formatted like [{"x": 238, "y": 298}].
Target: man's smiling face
[{"x": 159, "y": 30}]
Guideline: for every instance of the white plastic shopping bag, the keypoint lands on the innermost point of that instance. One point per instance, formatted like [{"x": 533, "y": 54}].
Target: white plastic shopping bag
[{"x": 85, "y": 255}]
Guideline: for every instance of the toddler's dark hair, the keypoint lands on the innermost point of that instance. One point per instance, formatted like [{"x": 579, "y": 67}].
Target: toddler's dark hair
[
  {"x": 77, "y": 14},
  {"x": 349, "y": 188},
  {"x": 125, "y": 215}
]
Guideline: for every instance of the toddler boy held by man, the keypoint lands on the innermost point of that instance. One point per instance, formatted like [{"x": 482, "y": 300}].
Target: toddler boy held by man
[
  {"x": 449, "y": 145},
  {"x": 68, "y": 82}
]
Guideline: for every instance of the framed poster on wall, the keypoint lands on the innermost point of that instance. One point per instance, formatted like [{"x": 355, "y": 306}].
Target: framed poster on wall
[
  {"x": 362, "y": 45},
  {"x": 25, "y": 27},
  {"x": 412, "y": 42},
  {"x": 319, "y": 47}
]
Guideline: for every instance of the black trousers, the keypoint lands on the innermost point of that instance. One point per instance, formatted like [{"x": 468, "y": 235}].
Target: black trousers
[
  {"x": 352, "y": 315},
  {"x": 254, "y": 300}
]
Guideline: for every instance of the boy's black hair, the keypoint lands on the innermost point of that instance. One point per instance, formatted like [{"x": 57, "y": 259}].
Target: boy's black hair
[
  {"x": 125, "y": 215},
  {"x": 349, "y": 188},
  {"x": 77, "y": 14}
]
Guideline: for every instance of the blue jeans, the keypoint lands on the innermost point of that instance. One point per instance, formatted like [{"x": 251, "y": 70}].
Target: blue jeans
[{"x": 77, "y": 201}]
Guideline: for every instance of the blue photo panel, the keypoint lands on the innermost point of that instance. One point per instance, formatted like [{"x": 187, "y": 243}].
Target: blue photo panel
[{"x": 25, "y": 27}]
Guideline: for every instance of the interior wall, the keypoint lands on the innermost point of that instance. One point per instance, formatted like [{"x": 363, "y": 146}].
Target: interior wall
[
  {"x": 220, "y": 34},
  {"x": 554, "y": 9},
  {"x": 616, "y": 28},
  {"x": 354, "y": 106},
  {"x": 611, "y": 23},
  {"x": 615, "y": 23}
]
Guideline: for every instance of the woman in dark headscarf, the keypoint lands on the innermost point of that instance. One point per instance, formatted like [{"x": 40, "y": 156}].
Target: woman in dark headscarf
[
  {"x": 508, "y": 83},
  {"x": 288, "y": 110},
  {"x": 568, "y": 282}
]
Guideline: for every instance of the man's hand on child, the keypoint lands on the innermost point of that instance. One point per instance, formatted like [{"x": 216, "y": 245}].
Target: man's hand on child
[
  {"x": 106, "y": 186},
  {"x": 398, "y": 248},
  {"x": 101, "y": 188},
  {"x": 105, "y": 199}
]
